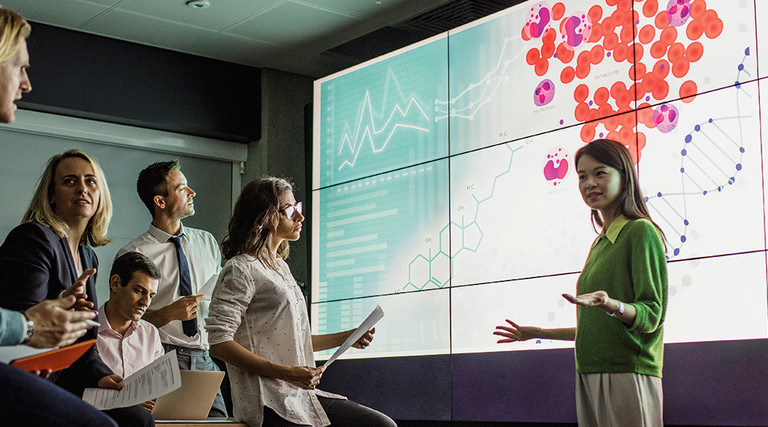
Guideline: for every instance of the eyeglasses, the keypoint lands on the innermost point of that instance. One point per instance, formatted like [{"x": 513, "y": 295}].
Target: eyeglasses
[{"x": 290, "y": 211}]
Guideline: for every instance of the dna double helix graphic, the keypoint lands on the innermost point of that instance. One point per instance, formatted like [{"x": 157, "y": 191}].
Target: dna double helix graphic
[{"x": 711, "y": 158}]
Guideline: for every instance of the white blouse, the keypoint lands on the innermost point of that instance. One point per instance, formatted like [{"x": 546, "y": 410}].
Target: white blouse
[{"x": 264, "y": 311}]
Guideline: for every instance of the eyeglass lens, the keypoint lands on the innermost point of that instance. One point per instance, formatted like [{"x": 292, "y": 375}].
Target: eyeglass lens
[{"x": 290, "y": 211}]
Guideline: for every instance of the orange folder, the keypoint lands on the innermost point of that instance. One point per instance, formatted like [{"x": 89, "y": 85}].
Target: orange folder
[{"x": 55, "y": 360}]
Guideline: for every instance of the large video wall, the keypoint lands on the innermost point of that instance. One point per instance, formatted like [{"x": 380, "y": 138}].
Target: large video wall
[{"x": 444, "y": 187}]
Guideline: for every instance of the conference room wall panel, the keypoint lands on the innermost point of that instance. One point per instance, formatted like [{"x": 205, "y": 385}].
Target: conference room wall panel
[{"x": 122, "y": 152}]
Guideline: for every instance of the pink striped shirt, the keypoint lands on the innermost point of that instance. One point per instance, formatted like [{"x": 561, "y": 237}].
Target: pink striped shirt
[{"x": 126, "y": 354}]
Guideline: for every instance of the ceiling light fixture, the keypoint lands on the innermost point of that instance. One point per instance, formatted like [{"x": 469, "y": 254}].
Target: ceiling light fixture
[{"x": 198, "y": 4}]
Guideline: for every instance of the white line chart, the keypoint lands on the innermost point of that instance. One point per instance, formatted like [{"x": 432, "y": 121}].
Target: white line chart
[
  {"x": 378, "y": 136},
  {"x": 482, "y": 92}
]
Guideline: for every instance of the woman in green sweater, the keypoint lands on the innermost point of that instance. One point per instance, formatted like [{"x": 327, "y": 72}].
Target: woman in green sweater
[{"x": 621, "y": 298}]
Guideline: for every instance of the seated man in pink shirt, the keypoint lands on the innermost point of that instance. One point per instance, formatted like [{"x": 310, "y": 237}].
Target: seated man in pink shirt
[{"x": 126, "y": 343}]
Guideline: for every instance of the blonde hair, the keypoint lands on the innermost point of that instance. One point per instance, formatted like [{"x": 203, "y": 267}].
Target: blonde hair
[
  {"x": 13, "y": 29},
  {"x": 41, "y": 208}
]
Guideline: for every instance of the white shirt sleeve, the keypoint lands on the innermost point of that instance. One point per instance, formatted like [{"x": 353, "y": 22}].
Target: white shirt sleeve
[{"x": 231, "y": 298}]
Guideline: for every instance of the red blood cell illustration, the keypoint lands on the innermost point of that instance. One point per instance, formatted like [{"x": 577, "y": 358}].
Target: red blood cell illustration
[{"x": 668, "y": 31}]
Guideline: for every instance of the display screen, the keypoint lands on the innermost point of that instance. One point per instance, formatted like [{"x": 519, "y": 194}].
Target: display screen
[{"x": 444, "y": 188}]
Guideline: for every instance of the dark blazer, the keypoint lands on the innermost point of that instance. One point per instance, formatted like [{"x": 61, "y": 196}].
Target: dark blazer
[{"x": 35, "y": 265}]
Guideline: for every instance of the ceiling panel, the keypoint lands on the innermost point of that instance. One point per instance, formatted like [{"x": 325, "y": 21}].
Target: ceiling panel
[
  {"x": 146, "y": 30},
  {"x": 65, "y": 13},
  {"x": 291, "y": 24},
  {"x": 359, "y": 8},
  {"x": 221, "y": 14},
  {"x": 109, "y": 3},
  {"x": 288, "y": 35}
]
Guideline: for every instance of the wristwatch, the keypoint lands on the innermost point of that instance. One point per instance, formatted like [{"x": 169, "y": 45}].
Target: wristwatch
[
  {"x": 30, "y": 330},
  {"x": 619, "y": 311}
]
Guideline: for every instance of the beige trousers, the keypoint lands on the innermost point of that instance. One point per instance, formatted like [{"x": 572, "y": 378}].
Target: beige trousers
[{"x": 619, "y": 400}]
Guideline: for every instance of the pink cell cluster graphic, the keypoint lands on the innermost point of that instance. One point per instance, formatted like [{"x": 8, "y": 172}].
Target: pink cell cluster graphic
[
  {"x": 556, "y": 165},
  {"x": 657, "y": 52},
  {"x": 678, "y": 12},
  {"x": 575, "y": 30},
  {"x": 665, "y": 118},
  {"x": 544, "y": 93},
  {"x": 538, "y": 21}
]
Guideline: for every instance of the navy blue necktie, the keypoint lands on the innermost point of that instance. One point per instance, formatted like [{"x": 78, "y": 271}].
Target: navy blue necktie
[{"x": 185, "y": 284}]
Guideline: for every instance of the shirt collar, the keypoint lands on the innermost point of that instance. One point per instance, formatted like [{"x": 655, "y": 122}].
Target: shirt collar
[
  {"x": 102, "y": 319},
  {"x": 106, "y": 328},
  {"x": 162, "y": 235},
  {"x": 618, "y": 223}
]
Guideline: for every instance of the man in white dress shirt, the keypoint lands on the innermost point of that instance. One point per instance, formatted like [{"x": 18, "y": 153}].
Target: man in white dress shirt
[{"x": 188, "y": 259}]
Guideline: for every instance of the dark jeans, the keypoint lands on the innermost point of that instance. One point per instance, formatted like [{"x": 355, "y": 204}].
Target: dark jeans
[
  {"x": 132, "y": 416},
  {"x": 191, "y": 359},
  {"x": 26, "y": 399},
  {"x": 341, "y": 413}
]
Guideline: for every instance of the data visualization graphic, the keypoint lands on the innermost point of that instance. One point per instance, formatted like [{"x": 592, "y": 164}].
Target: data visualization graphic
[
  {"x": 381, "y": 117},
  {"x": 367, "y": 228},
  {"x": 445, "y": 187}
]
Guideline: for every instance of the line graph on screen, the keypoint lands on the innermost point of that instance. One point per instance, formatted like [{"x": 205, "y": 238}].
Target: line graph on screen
[{"x": 375, "y": 128}]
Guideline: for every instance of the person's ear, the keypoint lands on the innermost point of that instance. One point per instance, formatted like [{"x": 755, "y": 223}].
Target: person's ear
[
  {"x": 159, "y": 201},
  {"x": 114, "y": 282}
]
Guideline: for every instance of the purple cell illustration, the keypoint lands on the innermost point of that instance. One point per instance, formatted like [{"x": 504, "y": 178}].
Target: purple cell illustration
[
  {"x": 538, "y": 20},
  {"x": 556, "y": 165},
  {"x": 575, "y": 30},
  {"x": 544, "y": 93},
  {"x": 678, "y": 12},
  {"x": 665, "y": 118}
]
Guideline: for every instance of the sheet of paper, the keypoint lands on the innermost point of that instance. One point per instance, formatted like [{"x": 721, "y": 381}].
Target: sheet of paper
[
  {"x": 207, "y": 288},
  {"x": 150, "y": 382},
  {"x": 364, "y": 327}
]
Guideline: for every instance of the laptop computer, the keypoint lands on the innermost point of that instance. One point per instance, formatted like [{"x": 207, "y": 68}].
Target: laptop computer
[{"x": 191, "y": 401}]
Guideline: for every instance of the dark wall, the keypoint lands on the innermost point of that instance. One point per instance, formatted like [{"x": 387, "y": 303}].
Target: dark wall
[
  {"x": 711, "y": 383},
  {"x": 405, "y": 388},
  {"x": 86, "y": 76}
]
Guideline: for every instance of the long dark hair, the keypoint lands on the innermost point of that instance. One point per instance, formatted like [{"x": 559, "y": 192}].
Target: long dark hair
[
  {"x": 255, "y": 218},
  {"x": 616, "y": 155}
]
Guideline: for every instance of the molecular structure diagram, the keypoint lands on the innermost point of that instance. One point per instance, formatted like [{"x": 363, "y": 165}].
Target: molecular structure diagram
[{"x": 435, "y": 269}]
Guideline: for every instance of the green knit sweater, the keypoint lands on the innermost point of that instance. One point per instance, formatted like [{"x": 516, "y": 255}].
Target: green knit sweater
[{"x": 628, "y": 262}]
